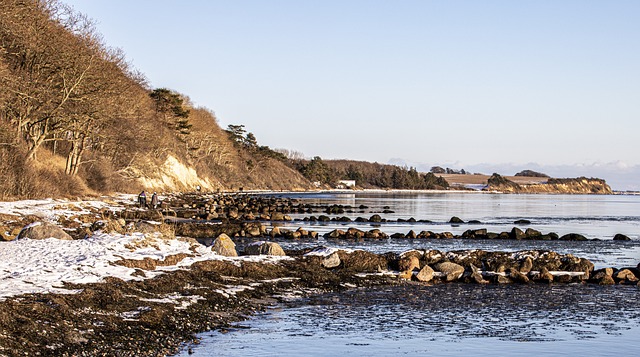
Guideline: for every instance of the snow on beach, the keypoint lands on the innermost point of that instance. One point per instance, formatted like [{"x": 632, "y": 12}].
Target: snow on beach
[{"x": 42, "y": 266}]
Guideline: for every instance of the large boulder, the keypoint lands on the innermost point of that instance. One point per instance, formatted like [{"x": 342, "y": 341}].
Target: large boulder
[
  {"x": 223, "y": 245},
  {"x": 264, "y": 248},
  {"x": 409, "y": 263},
  {"x": 363, "y": 261},
  {"x": 43, "y": 230},
  {"x": 425, "y": 274},
  {"x": 452, "y": 271}
]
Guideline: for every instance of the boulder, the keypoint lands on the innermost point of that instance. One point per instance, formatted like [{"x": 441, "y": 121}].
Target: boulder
[
  {"x": 532, "y": 233},
  {"x": 522, "y": 221},
  {"x": 425, "y": 274},
  {"x": 626, "y": 275},
  {"x": 452, "y": 271},
  {"x": 621, "y": 237},
  {"x": 43, "y": 230},
  {"x": 264, "y": 248},
  {"x": 455, "y": 220},
  {"x": 573, "y": 237},
  {"x": 253, "y": 229},
  {"x": 375, "y": 218},
  {"x": 331, "y": 261},
  {"x": 223, "y": 245},
  {"x": 517, "y": 276},
  {"x": 526, "y": 266},
  {"x": 517, "y": 233},
  {"x": 408, "y": 263},
  {"x": 362, "y": 261}
]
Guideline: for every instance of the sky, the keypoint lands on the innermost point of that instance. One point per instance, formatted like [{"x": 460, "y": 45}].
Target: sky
[{"x": 506, "y": 85}]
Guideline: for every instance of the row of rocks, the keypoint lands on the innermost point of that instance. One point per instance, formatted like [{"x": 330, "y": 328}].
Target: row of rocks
[
  {"x": 470, "y": 266},
  {"x": 515, "y": 234}
]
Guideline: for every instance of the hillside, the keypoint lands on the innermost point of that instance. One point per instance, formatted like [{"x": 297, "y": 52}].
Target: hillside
[{"x": 76, "y": 119}]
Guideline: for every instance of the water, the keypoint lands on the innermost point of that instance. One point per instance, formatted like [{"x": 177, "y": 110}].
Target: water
[{"x": 458, "y": 319}]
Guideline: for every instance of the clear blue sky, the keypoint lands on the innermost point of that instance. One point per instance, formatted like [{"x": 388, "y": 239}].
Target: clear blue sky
[{"x": 429, "y": 82}]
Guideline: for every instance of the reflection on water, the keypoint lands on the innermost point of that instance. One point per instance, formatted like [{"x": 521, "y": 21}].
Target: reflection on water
[{"x": 446, "y": 319}]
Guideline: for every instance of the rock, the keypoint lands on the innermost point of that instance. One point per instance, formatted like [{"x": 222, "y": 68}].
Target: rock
[
  {"x": 522, "y": 221},
  {"x": 517, "y": 276},
  {"x": 531, "y": 233},
  {"x": 425, "y": 274},
  {"x": 455, "y": 220},
  {"x": 606, "y": 280},
  {"x": 223, "y": 245},
  {"x": 478, "y": 279},
  {"x": 362, "y": 261},
  {"x": 501, "y": 279},
  {"x": 621, "y": 237},
  {"x": 526, "y": 266},
  {"x": 406, "y": 274},
  {"x": 146, "y": 227},
  {"x": 626, "y": 275},
  {"x": 43, "y": 230},
  {"x": 517, "y": 233},
  {"x": 452, "y": 271},
  {"x": 278, "y": 216},
  {"x": 331, "y": 261},
  {"x": 264, "y": 248},
  {"x": 408, "y": 263},
  {"x": 601, "y": 273},
  {"x": 253, "y": 229},
  {"x": 573, "y": 237},
  {"x": 411, "y": 235},
  {"x": 375, "y": 218}
]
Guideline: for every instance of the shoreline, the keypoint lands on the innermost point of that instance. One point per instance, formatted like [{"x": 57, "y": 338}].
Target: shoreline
[{"x": 139, "y": 290}]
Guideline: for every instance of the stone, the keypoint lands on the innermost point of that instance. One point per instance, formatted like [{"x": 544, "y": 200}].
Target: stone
[
  {"x": 573, "y": 237},
  {"x": 425, "y": 274},
  {"x": 406, "y": 275},
  {"x": 375, "y": 218},
  {"x": 43, "y": 230},
  {"x": 606, "y": 280},
  {"x": 522, "y": 221},
  {"x": 253, "y": 229},
  {"x": 411, "y": 235},
  {"x": 532, "y": 233},
  {"x": 362, "y": 261},
  {"x": 264, "y": 248},
  {"x": 408, "y": 263},
  {"x": 455, "y": 220},
  {"x": 621, "y": 237},
  {"x": 517, "y": 233},
  {"x": 626, "y": 275},
  {"x": 518, "y": 277},
  {"x": 223, "y": 245},
  {"x": 526, "y": 266},
  {"x": 331, "y": 261},
  {"x": 452, "y": 271}
]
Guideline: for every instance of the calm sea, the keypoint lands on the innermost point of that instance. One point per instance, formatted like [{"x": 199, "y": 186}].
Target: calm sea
[{"x": 460, "y": 319}]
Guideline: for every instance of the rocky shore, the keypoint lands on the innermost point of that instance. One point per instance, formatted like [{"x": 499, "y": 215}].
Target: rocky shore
[{"x": 170, "y": 274}]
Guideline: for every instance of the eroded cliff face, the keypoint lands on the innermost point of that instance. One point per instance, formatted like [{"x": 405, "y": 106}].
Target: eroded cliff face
[{"x": 580, "y": 185}]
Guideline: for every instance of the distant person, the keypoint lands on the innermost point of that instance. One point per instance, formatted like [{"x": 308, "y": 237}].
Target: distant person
[
  {"x": 142, "y": 200},
  {"x": 154, "y": 200}
]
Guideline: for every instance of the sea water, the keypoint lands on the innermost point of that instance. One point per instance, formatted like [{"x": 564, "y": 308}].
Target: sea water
[{"x": 460, "y": 319}]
